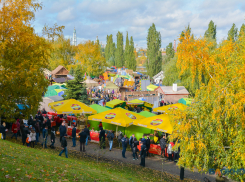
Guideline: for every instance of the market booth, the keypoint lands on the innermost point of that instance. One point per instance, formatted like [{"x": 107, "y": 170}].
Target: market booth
[
  {"x": 139, "y": 103},
  {"x": 115, "y": 103},
  {"x": 165, "y": 109},
  {"x": 157, "y": 123},
  {"x": 119, "y": 119},
  {"x": 72, "y": 106},
  {"x": 185, "y": 101}
]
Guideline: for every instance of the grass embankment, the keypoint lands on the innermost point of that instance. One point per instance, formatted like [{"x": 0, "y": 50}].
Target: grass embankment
[{"x": 19, "y": 163}]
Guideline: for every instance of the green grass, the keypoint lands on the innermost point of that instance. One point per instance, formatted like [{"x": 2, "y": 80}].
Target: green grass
[{"x": 19, "y": 163}]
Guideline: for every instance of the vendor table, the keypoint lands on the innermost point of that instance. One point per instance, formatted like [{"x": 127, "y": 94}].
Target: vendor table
[{"x": 155, "y": 149}]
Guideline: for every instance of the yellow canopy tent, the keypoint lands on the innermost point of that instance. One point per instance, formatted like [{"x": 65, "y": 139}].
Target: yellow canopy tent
[
  {"x": 71, "y": 106},
  {"x": 158, "y": 122},
  {"x": 165, "y": 109},
  {"x": 117, "y": 116},
  {"x": 151, "y": 87},
  {"x": 135, "y": 102}
]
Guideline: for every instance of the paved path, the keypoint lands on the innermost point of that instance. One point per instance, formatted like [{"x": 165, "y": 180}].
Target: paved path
[{"x": 155, "y": 162}]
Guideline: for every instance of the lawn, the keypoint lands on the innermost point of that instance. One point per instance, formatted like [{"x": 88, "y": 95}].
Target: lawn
[{"x": 20, "y": 163}]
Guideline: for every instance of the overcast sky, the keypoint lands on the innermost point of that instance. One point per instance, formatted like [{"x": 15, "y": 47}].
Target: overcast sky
[{"x": 93, "y": 18}]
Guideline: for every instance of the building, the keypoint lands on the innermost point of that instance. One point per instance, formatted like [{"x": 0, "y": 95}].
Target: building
[
  {"x": 173, "y": 93},
  {"x": 158, "y": 77},
  {"x": 60, "y": 72}
]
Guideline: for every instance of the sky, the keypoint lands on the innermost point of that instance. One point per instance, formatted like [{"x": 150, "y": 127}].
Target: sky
[{"x": 100, "y": 18}]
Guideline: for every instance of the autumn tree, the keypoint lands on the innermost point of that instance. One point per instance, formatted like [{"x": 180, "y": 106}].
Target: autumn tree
[
  {"x": 76, "y": 89},
  {"x": 210, "y": 33},
  {"x": 119, "y": 59},
  {"x": 154, "y": 55},
  {"x": 126, "y": 52},
  {"x": 232, "y": 33},
  {"x": 211, "y": 131},
  {"x": 88, "y": 55},
  {"x": 62, "y": 52},
  {"x": 24, "y": 55},
  {"x": 110, "y": 50}
]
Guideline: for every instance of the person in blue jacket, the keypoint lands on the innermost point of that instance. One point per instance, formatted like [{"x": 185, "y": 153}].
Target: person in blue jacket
[
  {"x": 143, "y": 154},
  {"x": 62, "y": 130},
  {"x": 124, "y": 145},
  {"x": 74, "y": 131}
]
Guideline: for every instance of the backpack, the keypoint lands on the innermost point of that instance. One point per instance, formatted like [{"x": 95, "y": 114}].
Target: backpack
[{"x": 27, "y": 140}]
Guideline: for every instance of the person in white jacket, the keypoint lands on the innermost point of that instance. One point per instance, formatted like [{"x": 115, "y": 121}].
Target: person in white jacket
[
  {"x": 33, "y": 137},
  {"x": 169, "y": 151}
]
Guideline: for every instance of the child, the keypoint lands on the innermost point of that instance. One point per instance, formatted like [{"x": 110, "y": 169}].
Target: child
[
  {"x": 52, "y": 137},
  {"x": 33, "y": 137}
]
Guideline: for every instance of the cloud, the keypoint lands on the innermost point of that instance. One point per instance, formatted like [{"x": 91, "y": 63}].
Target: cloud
[{"x": 104, "y": 17}]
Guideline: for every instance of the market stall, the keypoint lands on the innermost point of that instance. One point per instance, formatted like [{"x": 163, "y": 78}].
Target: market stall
[
  {"x": 115, "y": 103},
  {"x": 166, "y": 109},
  {"x": 139, "y": 103},
  {"x": 185, "y": 101},
  {"x": 99, "y": 108}
]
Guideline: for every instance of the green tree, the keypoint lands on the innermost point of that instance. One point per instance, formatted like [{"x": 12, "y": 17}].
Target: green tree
[
  {"x": 75, "y": 88},
  {"x": 126, "y": 53},
  {"x": 71, "y": 72},
  {"x": 232, "y": 33},
  {"x": 110, "y": 50},
  {"x": 211, "y": 31},
  {"x": 169, "y": 52},
  {"x": 131, "y": 57},
  {"x": 242, "y": 30},
  {"x": 154, "y": 55},
  {"x": 119, "y": 59}
]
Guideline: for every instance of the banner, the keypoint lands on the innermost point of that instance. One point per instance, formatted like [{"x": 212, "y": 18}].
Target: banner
[{"x": 154, "y": 149}]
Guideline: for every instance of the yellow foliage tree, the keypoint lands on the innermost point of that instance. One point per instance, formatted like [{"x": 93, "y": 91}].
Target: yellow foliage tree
[
  {"x": 89, "y": 56},
  {"x": 24, "y": 55},
  {"x": 211, "y": 132}
]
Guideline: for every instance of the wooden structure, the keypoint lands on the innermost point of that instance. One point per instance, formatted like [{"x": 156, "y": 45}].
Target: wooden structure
[
  {"x": 60, "y": 72},
  {"x": 171, "y": 96},
  {"x": 150, "y": 96}
]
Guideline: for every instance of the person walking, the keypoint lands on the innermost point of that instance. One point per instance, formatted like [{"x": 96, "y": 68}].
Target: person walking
[
  {"x": 37, "y": 127},
  {"x": 131, "y": 140},
  {"x": 102, "y": 138},
  {"x": 110, "y": 137},
  {"x": 25, "y": 133},
  {"x": 86, "y": 130},
  {"x": 143, "y": 154},
  {"x": 64, "y": 145},
  {"x": 163, "y": 145},
  {"x": 83, "y": 136},
  {"x": 52, "y": 137},
  {"x": 124, "y": 146},
  {"x": 14, "y": 130},
  {"x": 74, "y": 132},
  {"x": 148, "y": 144},
  {"x": 18, "y": 127},
  {"x": 45, "y": 136},
  {"x": 62, "y": 130},
  {"x": 33, "y": 137},
  {"x": 169, "y": 151},
  {"x": 135, "y": 149},
  {"x": 3, "y": 130}
]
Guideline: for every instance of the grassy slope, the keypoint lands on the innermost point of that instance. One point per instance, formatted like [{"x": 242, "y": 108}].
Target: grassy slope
[{"x": 26, "y": 164}]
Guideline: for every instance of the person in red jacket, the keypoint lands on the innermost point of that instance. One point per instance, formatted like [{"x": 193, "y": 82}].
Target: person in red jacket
[{"x": 14, "y": 130}]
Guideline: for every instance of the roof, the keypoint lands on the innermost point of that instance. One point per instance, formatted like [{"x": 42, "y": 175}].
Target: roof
[
  {"x": 160, "y": 74},
  {"x": 61, "y": 80},
  {"x": 56, "y": 98},
  {"x": 56, "y": 70},
  {"x": 169, "y": 90},
  {"x": 147, "y": 114},
  {"x": 99, "y": 108}
]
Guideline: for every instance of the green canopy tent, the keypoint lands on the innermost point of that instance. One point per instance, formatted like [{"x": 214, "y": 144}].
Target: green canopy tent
[
  {"x": 147, "y": 114},
  {"x": 99, "y": 108},
  {"x": 50, "y": 93},
  {"x": 53, "y": 87},
  {"x": 185, "y": 101},
  {"x": 115, "y": 103}
]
